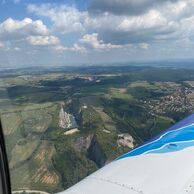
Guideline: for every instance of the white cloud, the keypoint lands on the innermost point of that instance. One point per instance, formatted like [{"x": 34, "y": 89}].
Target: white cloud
[
  {"x": 131, "y": 29},
  {"x": 184, "y": 43},
  {"x": 115, "y": 29},
  {"x": 17, "y": 48},
  {"x": 171, "y": 20},
  {"x": 125, "y": 7},
  {"x": 178, "y": 7},
  {"x": 43, "y": 40},
  {"x": 12, "y": 49},
  {"x": 178, "y": 10},
  {"x": 65, "y": 19},
  {"x": 75, "y": 48},
  {"x": 144, "y": 45},
  {"x": 4, "y": 47},
  {"x": 13, "y": 29},
  {"x": 152, "y": 19},
  {"x": 187, "y": 26},
  {"x": 92, "y": 41},
  {"x": 9, "y": 47},
  {"x": 167, "y": 23},
  {"x": 53, "y": 43}
]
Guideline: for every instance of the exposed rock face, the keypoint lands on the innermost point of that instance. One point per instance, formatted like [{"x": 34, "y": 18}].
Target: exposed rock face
[
  {"x": 125, "y": 140},
  {"x": 77, "y": 112},
  {"x": 64, "y": 119},
  {"x": 95, "y": 153},
  {"x": 82, "y": 144},
  {"x": 92, "y": 148}
]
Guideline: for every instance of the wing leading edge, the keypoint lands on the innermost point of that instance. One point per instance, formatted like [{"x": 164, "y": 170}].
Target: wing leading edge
[{"x": 164, "y": 165}]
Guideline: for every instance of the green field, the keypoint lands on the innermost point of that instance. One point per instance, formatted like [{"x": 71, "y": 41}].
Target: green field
[{"x": 105, "y": 102}]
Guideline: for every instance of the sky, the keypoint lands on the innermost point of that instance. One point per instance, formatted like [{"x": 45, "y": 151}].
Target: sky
[{"x": 78, "y": 32}]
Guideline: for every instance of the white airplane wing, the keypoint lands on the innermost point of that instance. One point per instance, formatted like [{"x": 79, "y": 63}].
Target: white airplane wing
[{"x": 164, "y": 165}]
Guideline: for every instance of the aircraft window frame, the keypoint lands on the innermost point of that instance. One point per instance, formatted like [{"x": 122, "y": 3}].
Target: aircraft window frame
[{"x": 4, "y": 168}]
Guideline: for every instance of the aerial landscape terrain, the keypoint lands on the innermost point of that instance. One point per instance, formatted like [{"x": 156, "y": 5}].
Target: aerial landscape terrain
[
  {"x": 83, "y": 82},
  {"x": 61, "y": 124}
]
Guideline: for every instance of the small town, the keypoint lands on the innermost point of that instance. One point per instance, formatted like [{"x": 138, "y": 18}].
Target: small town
[{"x": 180, "y": 100}]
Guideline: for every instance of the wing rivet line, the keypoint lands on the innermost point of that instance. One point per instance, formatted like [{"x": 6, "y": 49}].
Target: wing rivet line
[{"x": 119, "y": 184}]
